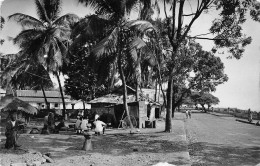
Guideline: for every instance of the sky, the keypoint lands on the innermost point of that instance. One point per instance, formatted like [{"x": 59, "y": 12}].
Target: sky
[{"x": 243, "y": 87}]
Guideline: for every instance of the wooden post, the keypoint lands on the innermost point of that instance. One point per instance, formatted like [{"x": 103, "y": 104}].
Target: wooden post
[{"x": 88, "y": 141}]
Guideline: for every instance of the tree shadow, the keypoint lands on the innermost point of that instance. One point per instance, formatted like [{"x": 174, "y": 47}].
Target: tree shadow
[
  {"x": 62, "y": 146},
  {"x": 216, "y": 154}
]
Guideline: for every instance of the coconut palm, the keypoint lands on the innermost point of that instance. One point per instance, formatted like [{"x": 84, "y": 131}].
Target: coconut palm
[
  {"x": 45, "y": 39},
  {"x": 122, "y": 39},
  {"x": 2, "y": 22},
  {"x": 23, "y": 74}
]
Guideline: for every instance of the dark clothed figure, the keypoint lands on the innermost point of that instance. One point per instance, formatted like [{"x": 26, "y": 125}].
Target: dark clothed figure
[
  {"x": 12, "y": 127},
  {"x": 189, "y": 113},
  {"x": 60, "y": 125},
  {"x": 250, "y": 115},
  {"x": 49, "y": 124}
]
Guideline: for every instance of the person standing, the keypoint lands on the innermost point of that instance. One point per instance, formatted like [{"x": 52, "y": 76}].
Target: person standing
[
  {"x": 250, "y": 116},
  {"x": 45, "y": 121},
  {"x": 12, "y": 127},
  {"x": 78, "y": 124},
  {"x": 189, "y": 113},
  {"x": 51, "y": 122}
]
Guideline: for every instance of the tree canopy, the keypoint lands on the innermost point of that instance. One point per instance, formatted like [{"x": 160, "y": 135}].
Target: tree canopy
[{"x": 204, "y": 99}]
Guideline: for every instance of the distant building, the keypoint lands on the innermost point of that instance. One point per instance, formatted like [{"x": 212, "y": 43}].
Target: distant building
[
  {"x": 36, "y": 99},
  {"x": 2, "y": 92}
]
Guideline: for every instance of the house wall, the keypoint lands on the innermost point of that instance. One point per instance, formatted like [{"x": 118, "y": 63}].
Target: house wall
[
  {"x": 136, "y": 109},
  {"x": 150, "y": 93},
  {"x": 52, "y": 105},
  {"x": 142, "y": 107},
  {"x": 101, "y": 108}
]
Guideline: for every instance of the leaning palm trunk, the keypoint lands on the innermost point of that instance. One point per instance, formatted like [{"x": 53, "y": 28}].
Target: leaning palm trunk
[
  {"x": 45, "y": 98},
  {"x": 124, "y": 84},
  {"x": 62, "y": 97},
  {"x": 155, "y": 96},
  {"x": 138, "y": 75}
]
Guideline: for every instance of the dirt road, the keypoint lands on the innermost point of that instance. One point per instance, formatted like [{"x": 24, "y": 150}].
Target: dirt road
[{"x": 216, "y": 140}]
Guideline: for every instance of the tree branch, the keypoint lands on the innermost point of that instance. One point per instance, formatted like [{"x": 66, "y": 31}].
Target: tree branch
[
  {"x": 192, "y": 14},
  {"x": 205, "y": 38},
  {"x": 180, "y": 18},
  {"x": 203, "y": 34},
  {"x": 173, "y": 18}
]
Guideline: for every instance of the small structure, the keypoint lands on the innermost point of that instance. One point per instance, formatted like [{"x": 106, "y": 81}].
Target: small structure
[{"x": 113, "y": 104}]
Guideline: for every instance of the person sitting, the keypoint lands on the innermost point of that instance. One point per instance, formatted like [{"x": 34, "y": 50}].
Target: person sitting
[
  {"x": 60, "y": 126},
  {"x": 99, "y": 127},
  {"x": 12, "y": 127},
  {"x": 84, "y": 125},
  {"x": 78, "y": 124},
  {"x": 49, "y": 124}
]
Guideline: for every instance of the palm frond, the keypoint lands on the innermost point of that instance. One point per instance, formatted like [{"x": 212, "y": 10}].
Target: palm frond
[
  {"x": 140, "y": 25},
  {"x": 2, "y": 22},
  {"x": 112, "y": 9},
  {"x": 107, "y": 45},
  {"x": 60, "y": 55},
  {"x": 26, "y": 36},
  {"x": 41, "y": 12},
  {"x": 132, "y": 4},
  {"x": 25, "y": 20},
  {"x": 137, "y": 43},
  {"x": 69, "y": 19},
  {"x": 52, "y": 8},
  {"x": 100, "y": 6}
]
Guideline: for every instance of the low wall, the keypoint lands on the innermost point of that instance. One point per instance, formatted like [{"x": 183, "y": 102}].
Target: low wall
[{"x": 236, "y": 112}]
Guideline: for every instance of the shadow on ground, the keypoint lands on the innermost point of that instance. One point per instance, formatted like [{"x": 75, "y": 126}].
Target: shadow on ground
[
  {"x": 62, "y": 146},
  {"x": 216, "y": 154}
]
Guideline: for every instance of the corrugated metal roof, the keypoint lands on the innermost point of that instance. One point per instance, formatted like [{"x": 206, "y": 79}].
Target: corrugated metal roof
[
  {"x": 38, "y": 93},
  {"x": 42, "y": 100},
  {"x": 112, "y": 98}
]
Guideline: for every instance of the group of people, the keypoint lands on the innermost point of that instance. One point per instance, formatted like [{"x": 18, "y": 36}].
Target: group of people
[
  {"x": 84, "y": 125},
  {"x": 49, "y": 124}
]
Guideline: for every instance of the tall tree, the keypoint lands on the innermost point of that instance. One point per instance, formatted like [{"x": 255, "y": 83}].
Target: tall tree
[
  {"x": 2, "y": 22},
  {"x": 87, "y": 76},
  {"x": 204, "y": 99},
  {"x": 122, "y": 39},
  {"x": 227, "y": 31},
  {"x": 23, "y": 74},
  {"x": 45, "y": 39}
]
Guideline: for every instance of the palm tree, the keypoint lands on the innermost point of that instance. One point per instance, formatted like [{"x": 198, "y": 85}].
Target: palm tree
[
  {"x": 45, "y": 39},
  {"x": 21, "y": 74},
  {"x": 2, "y": 22},
  {"x": 122, "y": 39}
]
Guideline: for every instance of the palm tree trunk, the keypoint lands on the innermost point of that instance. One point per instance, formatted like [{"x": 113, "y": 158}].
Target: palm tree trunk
[
  {"x": 45, "y": 98},
  {"x": 124, "y": 90},
  {"x": 138, "y": 80},
  {"x": 155, "y": 95},
  {"x": 160, "y": 84},
  {"x": 62, "y": 97},
  {"x": 84, "y": 108},
  {"x": 138, "y": 74},
  {"x": 168, "y": 123}
]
